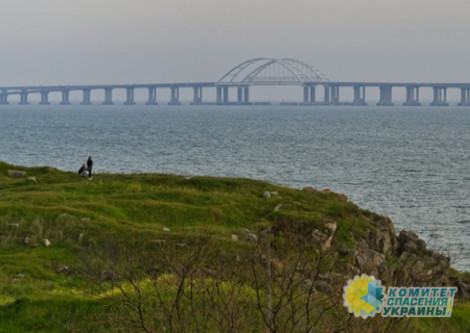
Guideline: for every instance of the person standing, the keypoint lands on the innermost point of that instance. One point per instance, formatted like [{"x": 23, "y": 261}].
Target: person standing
[{"x": 89, "y": 165}]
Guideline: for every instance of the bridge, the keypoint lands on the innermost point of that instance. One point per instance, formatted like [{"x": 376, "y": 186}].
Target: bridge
[{"x": 317, "y": 88}]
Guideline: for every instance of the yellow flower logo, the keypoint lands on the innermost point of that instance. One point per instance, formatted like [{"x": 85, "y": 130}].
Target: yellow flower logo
[{"x": 363, "y": 296}]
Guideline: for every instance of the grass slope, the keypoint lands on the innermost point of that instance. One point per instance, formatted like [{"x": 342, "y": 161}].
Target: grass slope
[{"x": 133, "y": 210}]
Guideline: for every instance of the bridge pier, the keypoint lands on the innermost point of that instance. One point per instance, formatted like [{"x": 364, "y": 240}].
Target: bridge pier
[
  {"x": 309, "y": 95},
  {"x": 326, "y": 97},
  {"x": 359, "y": 95},
  {"x": 440, "y": 96},
  {"x": 175, "y": 96},
  {"x": 4, "y": 98},
  {"x": 197, "y": 95},
  {"x": 44, "y": 98},
  {"x": 334, "y": 95},
  {"x": 465, "y": 99},
  {"x": 24, "y": 98},
  {"x": 243, "y": 95},
  {"x": 129, "y": 96},
  {"x": 152, "y": 96},
  {"x": 412, "y": 96},
  {"x": 385, "y": 96},
  {"x": 65, "y": 97},
  {"x": 86, "y": 97},
  {"x": 225, "y": 95},
  {"x": 108, "y": 96}
]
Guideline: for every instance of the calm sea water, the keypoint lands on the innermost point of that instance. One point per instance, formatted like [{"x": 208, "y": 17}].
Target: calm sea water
[{"x": 411, "y": 164}]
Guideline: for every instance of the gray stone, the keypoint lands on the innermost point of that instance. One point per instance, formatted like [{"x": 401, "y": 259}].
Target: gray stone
[
  {"x": 166, "y": 229},
  {"x": 369, "y": 260},
  {"x": 234, "y": 237},
  {"x": 384, "y": 240},
  {"x": 26, "y": 240},
  {"x": 251, "y": 237},
  {"x": 33, "y": 179},
  {"x": 16, "y": 173},
  {"x": 274, "y": 193},
  {"x": 266, "y": 195},
  {"x": 63, "y": 269},
  {"x": 47, "y": 242},
  {"x": 323, "y": 287},
  {"x": 80, "y": 238}
]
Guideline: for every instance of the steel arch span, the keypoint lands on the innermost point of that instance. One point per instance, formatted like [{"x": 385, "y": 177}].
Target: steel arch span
[{"x": 273, "y": 71}]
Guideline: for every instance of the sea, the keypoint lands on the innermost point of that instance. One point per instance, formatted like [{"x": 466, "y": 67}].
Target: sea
[{"x": 409, "y": 163}]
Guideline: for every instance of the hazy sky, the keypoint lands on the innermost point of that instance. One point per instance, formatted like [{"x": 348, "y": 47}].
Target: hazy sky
[{"x": 137, "y": 41}]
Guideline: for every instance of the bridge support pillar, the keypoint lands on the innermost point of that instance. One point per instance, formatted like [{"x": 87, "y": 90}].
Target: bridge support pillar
[
  {"x": 24, "y": 98},
  {"x": 129, "y": 96},
  {"x": 412, "y": 96},
  {"x": 334, "y": 95},
  {"x": 219, "y": 95},
  {"x": 385, "y": 96},
  {"x": 197, "y": 95},
  {"x": 309, "y": 95},
  {"x": 465, "y": 99},
  {"x": 225, "y": 96},
  {"x": 86, "y": 97},
  {"x": 440, "y": 96},
  {"x": 65, "y": 97},
  {"x": 44, "y": 98},
  {"x": 246, "y": 95},
  {"x": 326, "y": 98},
  {"x": 108, "y": 96},
  {"x": 152, "y": 96},
  {"x": 175, "y": 96},
  {"x": 243, "y": 95},
  {"x": 359, "y": 95},
  {"x": 3, "y": 98}
]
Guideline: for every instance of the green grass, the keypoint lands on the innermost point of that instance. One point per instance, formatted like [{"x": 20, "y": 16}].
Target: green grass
[{"x": 118, "y": 212}]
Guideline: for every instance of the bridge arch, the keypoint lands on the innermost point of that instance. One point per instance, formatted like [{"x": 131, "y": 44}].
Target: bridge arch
[{"x": 273, "y": 71}]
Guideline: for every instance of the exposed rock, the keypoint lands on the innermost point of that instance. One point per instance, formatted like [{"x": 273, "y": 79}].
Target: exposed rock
[
  {"x": 108, "y": 275},
  {"x": 324, "y": 237},
  {"x": 181, "y": 244},
  {"x": 234, "y": 237},
  {"x": 410, "y": 242},
  {"x": 19, "y": 276},
  {"x": 323, "y": 287},
  {"x": 308, "y": 189},
  {"x": 384, "y": 240},
  {"x": 166, "y": 229},
  {"x": 26, "y": 240},
  {"x": 16, "y": 173},
  {"x": 158, "y": 241},
  {"x": 341, "y": 196},
  {"x": 33, "y": 179},
  {"x": 267, "y": 195},
  {"x": 47, "y": 242},
  {"x": 332, "y": 229},
  {"x": 80, "y": 238},
  {"x": 278, "y": 207},
  {"x": 62, "y": 269},
  {"x": 187, "y": 178},
  {"x": 250, "y": 237},
  {"x": 369, "y": 261},
  {"x": 14, "y": 224},
  {"x": 274, "y": 193}
]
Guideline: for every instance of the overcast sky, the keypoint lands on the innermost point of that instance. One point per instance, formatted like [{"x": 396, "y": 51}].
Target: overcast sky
[{"x": 137, "y": 41}]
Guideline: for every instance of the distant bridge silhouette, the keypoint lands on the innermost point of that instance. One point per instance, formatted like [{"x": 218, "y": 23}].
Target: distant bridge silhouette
[{"x": 253, "y": 72}]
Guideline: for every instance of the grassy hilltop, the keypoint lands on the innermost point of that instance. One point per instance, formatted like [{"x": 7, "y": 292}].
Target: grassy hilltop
[{"x": 167, "y": 253}]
